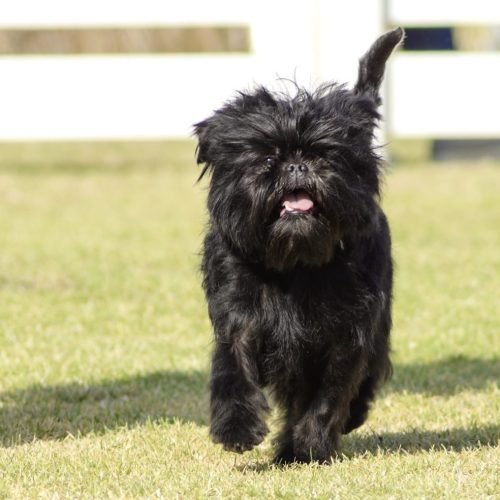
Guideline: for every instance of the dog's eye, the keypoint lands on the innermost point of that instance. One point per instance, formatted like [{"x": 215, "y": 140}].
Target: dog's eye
[{"x": 270, "y": 162}]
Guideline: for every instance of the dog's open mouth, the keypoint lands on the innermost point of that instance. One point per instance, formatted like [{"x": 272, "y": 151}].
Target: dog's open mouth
[{"x": 296, "y": 202}]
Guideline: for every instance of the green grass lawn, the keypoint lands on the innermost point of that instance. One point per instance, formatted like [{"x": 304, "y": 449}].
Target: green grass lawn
[{"x": 105, "y": 341}]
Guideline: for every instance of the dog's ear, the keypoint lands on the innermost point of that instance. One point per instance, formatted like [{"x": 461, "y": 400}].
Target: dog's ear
[
  {"x": 372, "y": 64},
  {"x": 204, "y": 133}
]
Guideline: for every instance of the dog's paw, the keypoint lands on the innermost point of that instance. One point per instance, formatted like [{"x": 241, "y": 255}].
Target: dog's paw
[
  {"x": 239, "y": 436},
  {"x": 285, "y": 456},
  {"x": 313, "y": 443}
]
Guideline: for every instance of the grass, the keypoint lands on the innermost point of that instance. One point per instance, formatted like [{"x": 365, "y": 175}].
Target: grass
[{"x": 104, "y": 337}]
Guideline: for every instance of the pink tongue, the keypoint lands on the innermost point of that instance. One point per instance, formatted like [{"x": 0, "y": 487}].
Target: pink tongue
[{"x": 297, "y": 202}]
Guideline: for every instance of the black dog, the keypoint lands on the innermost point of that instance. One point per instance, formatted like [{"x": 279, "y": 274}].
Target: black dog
[{"x": 297, "y": 262}]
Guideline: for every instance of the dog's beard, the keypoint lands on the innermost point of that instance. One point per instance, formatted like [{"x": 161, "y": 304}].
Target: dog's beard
[{"x": 296, "y": 239}]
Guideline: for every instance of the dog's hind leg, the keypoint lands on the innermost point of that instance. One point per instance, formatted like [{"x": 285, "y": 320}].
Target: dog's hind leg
[
  {"x": 315, "y": 435},
  {"x": 292, "y": 409},
  {"x": 379, "y": 370},
  {"x": 360, "y": 405},
  {"x": 237, "y": 404}
]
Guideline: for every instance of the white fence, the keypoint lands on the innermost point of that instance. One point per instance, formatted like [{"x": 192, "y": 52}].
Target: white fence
[
  {"x": 147, "y": 96},
  {"x": 155, "y": 96}
]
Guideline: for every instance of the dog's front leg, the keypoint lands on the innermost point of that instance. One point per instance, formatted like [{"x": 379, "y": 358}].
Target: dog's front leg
[{"x": 237, "y": 403}]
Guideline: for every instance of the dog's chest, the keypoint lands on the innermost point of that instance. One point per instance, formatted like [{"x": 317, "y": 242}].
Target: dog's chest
[{"x": 299, "y": 322}]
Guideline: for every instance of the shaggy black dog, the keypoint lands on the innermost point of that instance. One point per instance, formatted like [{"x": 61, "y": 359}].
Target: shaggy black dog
[{"x": 297, "y": 262}]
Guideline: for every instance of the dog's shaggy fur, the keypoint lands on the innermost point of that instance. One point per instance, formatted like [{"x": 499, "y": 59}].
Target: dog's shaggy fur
[{"x": 297, "y": 262}]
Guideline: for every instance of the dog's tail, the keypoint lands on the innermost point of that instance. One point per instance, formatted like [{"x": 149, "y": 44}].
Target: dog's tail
[{"x": 372, "y": 64}]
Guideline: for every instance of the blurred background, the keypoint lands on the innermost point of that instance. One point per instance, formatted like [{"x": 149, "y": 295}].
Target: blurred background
[{"x": 128, "y": 70}]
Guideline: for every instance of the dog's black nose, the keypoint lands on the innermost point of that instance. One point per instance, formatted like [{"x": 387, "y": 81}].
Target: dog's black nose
[{"x": 297, "y": 168}]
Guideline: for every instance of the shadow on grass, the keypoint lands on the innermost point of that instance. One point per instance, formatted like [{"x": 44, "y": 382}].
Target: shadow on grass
[
  {"x": 445, "y": 377},
  {"x": 408, "y": 442},
  {"x": 416, "y": 441},
  {"x": 54, "y": 412}
]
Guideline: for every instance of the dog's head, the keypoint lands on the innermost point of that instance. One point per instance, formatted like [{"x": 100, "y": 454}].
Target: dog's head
[{"x": 292, "y": 175}]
